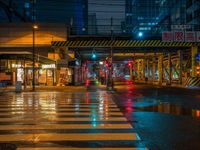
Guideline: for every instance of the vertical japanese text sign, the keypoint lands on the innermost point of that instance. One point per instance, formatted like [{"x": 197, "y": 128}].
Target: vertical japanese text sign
[
  {"x": 179, "y": 36},
  {"x": 167, "y": 37}
]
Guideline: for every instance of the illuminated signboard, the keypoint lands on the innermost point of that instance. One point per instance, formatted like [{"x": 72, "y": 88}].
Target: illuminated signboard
[
  {"x": 16, "y": 66},
  {"x": 49, "y": 66},
  {"x": 180, "y": 36}
]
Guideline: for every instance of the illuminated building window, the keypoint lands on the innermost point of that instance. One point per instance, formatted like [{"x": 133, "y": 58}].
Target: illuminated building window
[{"x": 27, "y": 5}]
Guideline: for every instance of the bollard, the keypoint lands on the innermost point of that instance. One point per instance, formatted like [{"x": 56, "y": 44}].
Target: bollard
[{"x": 18, "y": 86}]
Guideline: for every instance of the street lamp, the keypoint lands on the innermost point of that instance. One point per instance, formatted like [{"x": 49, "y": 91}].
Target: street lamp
[
  {"x": 111, "y": 53},
  {"x": 34, "y": 27},
  {"x": 140, "y": 34}
]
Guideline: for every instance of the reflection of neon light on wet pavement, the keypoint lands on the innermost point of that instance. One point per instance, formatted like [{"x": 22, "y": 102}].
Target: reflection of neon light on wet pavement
[
  {"x": 94, "y": 118},
  {"x": 67, "y": 117}
]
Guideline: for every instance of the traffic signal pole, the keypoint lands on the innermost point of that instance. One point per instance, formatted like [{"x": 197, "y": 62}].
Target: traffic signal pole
[
  {"x": 194, "y": 51},
  {"x": 131, "y": 72},
  {"x": 110, "y": 82},
  {"x": 111, "y": 69},
  {"x": 111, "y": 55},
  {"x": 33, "y": 47}
]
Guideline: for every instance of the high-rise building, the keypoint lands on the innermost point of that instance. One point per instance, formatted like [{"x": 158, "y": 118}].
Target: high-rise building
[
  {"x": 92, "y": 24},
  {"x": 179, "y": 12},
  {"x": 70, "y": 12},
  {"x": 141, "y": 16},
  {"x": 171, "y": 12},
  {"x": 193, "y": 14},
  {"x": 151, "y": 17}
]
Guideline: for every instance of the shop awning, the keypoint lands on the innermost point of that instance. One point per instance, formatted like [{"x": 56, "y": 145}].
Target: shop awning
[{"x": 24, "y": 55}]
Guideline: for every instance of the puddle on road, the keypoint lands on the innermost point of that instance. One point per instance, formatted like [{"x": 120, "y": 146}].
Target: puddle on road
[
  {"x": 170, "y": 109},
  {"x": 150, "y": 105}
]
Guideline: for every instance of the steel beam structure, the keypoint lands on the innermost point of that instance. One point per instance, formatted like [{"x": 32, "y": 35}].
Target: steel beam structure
[
  {"x": 159, "y": 62},
  {"x": 160, "y": 69},
  {"x": 194, "y": 51}
]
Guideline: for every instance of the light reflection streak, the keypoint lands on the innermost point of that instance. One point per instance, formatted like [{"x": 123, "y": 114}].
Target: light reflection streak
[
  {"x": 129, "y": 109},
  {"x": 69, "y": 100},
  {"x": 94, "y": 118},
  {"x": 77, "y": 108},
  {"x": 87, "y": 98}
]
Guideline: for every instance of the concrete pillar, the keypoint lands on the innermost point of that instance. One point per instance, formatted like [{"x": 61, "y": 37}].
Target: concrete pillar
[
  {"x": 131, "y": 72},
  {"x": 180, "y": 66},
  {"x": 169, "y": 68},
  {"x": 138, "y": 70},
  {"x": 153, "y": 69},
  {"x": 57, "y": 75},
  {"x": 194, "y": 51},
  {"x": 53, "y": 75},
  {"x": 25, "y": 74},
  {"x": 148, "y": 70},
  {"x": 143, "y": 69},
  {"x": 160, "y": 69}
]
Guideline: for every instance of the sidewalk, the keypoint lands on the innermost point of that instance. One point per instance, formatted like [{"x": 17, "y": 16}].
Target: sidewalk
[
  {"x": 85, "y": 88},
  {"x": 174, "y": 85},
  {"x": 45, "y": 88}
]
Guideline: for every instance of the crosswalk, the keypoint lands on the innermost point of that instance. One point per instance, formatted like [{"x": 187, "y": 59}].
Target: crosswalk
[{"x": 59, "y": 121}]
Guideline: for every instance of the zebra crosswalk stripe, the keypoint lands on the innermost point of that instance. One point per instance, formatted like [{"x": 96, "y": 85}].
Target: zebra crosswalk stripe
[
  {"x": 50, "y": 148},
  {"x": 55, "y": 120}
]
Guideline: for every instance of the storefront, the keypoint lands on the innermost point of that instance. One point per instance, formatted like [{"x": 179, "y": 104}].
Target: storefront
[
  {"x": 17, "y": 66},
  {"x": 46, "y": 75},
  {"x": 79, "y": 70},
  {"x": 64, "y": 76},
  {"x": 14, "y": 68}
]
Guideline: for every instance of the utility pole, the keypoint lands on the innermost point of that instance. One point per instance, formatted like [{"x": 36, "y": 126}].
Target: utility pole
[
  {"x": 33, "y": 48},
  {"x": 111, "y": 55}
]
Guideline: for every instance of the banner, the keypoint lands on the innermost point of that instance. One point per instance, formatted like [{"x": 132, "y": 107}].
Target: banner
[
  {"x": 181, "y": 36},
  {"x": 167, "y": 37},
  {"x": 190, "y": 37}
]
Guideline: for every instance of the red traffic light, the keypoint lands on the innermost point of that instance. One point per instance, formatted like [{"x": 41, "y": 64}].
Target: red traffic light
[{"x": 130, "y": 64}]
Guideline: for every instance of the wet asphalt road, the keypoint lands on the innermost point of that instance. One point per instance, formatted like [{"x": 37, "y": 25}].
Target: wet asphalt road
[
  {"x": 158, "y": 118},
  {"x": 55, "y": 120},
  {"x": 165, "y": 118}
]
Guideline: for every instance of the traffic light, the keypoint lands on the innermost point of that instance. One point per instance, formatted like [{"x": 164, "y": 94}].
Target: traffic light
[
  {"x": 130, "y": 64},
  {"x": 87, "y": 82},
  {"x": 94, "y": 55},
  {"x": 107, "y": 62}
]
